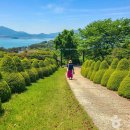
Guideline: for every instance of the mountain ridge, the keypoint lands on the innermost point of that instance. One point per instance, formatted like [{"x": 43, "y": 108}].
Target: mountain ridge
[{"x": 6, "y": 32}]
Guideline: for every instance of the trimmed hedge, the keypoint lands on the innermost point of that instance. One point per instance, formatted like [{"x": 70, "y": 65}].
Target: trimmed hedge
[
  {"x": 15, "y": 81},
  {"x": 8, "y": 65},
  {"x": 91, "y": 70},
  {"x": 96, "y": 68},
  {"x": 99, "y": 74},
  {"x": 41, "y": 63},
  {"x": 118, "y": 75},
  {"x": 26, "y": 77},
  {"x": 32, "y": 74},
  {"x": 26, "y": 63},
  {"x": 109, "y": 72},
  {"x": 18, "y": 64},
  {"x": 0, "y": 106},
  {"x": 35, "y": 63},
  {"x": 88, "y": 68},
  {"x": 5, "y": 92},
  {"x": 124, "y": 88}
]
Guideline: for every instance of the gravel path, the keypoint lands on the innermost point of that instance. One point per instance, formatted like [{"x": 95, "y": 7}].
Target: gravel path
[{"x": 101, "y": 104}]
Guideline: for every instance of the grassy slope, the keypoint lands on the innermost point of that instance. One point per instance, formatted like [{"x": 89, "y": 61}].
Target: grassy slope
[{"x": 47, "y": 105}]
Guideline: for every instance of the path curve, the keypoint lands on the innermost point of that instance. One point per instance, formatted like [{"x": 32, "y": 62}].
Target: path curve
[{"x": 100, "y": 103}]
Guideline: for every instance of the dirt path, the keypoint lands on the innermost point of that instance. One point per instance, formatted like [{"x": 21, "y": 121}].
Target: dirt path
[{"x": 101, "y": 104}]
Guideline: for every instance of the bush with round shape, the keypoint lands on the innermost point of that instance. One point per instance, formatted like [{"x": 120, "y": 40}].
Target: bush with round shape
[
  {"x": 26, "y": 77},
  {"x": 41, "y": 63},
  {"x": 40, "y": 72},
  {"x": 99, "y": 74},
  {"x": 118, "y": 75},
  {"x": 96, "y": 68},
  {"x": 91, "y": 70},
  {"x": 5, "y": 92},
  {"x": 36, "y": 73},
  {"x": 0, "y": 106},
  {"x": 8, "y": 65},
  {"x": 35, "y": 63},
  {"x": 109, "y": 72},
  {"x": 18, "y": 64},
  {"x": 26, "y": 63},
  {"x": 15, "y": 81},
  {"x": 85, "y": 64},
  {"x": 88, "y": 68},
  {"x": 124, "y": 88}
]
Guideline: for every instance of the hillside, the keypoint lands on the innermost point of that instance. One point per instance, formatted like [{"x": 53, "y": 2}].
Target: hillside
[{"x": 9, "y": 33}]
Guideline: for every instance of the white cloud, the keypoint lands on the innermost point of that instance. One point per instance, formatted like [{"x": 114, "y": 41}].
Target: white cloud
[{"x": 54, "y": 8}]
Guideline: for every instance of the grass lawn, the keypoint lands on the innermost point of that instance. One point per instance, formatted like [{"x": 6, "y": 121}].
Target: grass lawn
[{"x": 47, "y": 105}]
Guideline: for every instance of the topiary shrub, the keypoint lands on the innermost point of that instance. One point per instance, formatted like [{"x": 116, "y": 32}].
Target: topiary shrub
[
  {"x": 88, "y": 68},
  {"x": 40, "y": 72},
  {"x": 26, "y": 77},
  {"x": 118, "y": 75},
  {"x": 91, "y": 70},
  {"x": 108, "y": 72},
  {"x": 99, "y": 74},
  {"x": 26, "y": 64},
  {"x": 96, "y": 68},
  {"x": 0, "y": 106},
  {"x": 8, "y": 65},
  {"x": 85, "y": 64},
  {"x": 15, "y": 81},
  {"x": 41, "y": 63},
  {"x": 35, "y": 63},
  {"x": 18, "y": 64},
  {"x": 5, "y": 92},
  {"x": 124, "y": 88}
]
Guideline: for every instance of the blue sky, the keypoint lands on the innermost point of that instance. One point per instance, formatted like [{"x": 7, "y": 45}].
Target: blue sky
[{"x": 47, "y": 16}]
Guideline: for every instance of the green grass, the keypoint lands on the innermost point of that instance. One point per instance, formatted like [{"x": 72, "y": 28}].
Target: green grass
[{"x": 47, "y": 105}]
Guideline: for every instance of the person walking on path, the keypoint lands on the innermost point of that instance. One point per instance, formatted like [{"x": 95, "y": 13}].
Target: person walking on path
[{"x": 70, "y": 70}]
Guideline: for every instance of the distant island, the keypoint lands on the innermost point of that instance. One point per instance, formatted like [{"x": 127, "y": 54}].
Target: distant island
[{"x": 10, "y": 33}]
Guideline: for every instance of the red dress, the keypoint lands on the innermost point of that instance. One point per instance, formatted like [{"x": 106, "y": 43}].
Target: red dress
[{"x": 70, "y": 71}]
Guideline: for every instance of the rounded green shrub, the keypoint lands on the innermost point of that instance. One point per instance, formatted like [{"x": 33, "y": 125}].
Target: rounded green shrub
[
  {"x": 108, "y": 72},
  {"x": 124, "y": 88},
  {"x": 41, "y": 63},
  {"x": 45, "y": 71},
  {"x": 35, "y": 63},
  {"x": 5, "y": 92},
  {"x": 96, "y": 68},
  {"x": 15, "y": 81},
  {"x": 0, "y": 106},
  {"x": 26, "y": 77},
  {"x": 40, "y": 72},
  {"x": 8, "y": 65},
  {"x": 36, "y": 73},
  {"x": 91, "y": 70},
  {"x": 99, "y": 74},
  {"x": 26, "y": 63},
  {"x": 118, "y": 75},
  {"x": 18, "y": 64},
  {"x": 88, "y": 68},
  {"x": 85, "y": 65}
]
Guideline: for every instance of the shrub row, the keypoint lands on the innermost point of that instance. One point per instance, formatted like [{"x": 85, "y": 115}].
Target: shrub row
[
  {"x": 115, "y": 77},
  {"x": 17, "y": 74}
]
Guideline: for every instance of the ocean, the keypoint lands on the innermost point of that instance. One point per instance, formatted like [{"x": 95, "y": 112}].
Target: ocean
[{"x": 9, "y": 43}]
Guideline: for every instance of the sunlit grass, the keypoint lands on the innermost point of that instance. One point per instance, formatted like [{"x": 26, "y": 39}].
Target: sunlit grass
[{"x": 47, "y": 105}]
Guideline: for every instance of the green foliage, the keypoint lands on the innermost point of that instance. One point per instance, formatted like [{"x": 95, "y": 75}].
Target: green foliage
[
  {"x": 5, "y": 92},
  {"x": 114, "y": 63},
  {"x": 109, "y": 72},
  {"x": 40, "y": 72},
  {"x": 91, "y": 70},
  {"x": 124, "y": 88},
  {"x": 99, "y": 74},
  {"x": 41, "y": 63},
  {"x": 96, "y": 68},
  {"x": 115, "y": 79},
  {"x": 86, "y": 71},
  {"x": 26, "y": 77},
  {"x": 15, "y": 81},
  {"x": 102, "y": 36},
  {"x": 123, "y": 65},
  {"x": 35, "y": 63},
  {"x": 118, "y": 75},
  {"x": 26, "y": 63},
  {"x": 33, "y": 74},
  {"x": 104, "y": 65},
  {"x": 18, "y": 64},
  {"x": 8, "y": 65}
]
